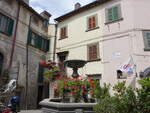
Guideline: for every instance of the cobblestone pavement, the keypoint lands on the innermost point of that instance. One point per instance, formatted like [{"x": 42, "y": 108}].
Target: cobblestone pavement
[{"x": 30, "y": 111}]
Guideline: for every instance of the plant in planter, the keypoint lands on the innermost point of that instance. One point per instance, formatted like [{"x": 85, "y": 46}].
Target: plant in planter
[
  {"x": 75, "y": 88},
  {"x": 53, "y": 71}
]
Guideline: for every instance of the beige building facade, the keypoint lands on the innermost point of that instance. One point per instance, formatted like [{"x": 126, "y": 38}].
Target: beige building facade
[
  {"x": 24, "y": 42},
  {"x": 106, "y": 33}
]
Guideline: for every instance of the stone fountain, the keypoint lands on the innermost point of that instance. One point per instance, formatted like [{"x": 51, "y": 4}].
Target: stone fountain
[{"x": 57, "y": 106}]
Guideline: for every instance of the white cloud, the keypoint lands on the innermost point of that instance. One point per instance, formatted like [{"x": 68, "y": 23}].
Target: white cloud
[{"x": 56, "y": 7}]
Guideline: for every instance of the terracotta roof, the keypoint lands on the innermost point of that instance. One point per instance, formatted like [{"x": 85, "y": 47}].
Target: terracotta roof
[
  {"x": 82, "y": 9},
  {"x": 30, "y": 9}
]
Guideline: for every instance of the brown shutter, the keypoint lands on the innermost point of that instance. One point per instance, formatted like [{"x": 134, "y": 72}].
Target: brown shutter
[
  {"x": 64, "y": 32},
  {"x": 93, "y": 22},
  {"x": 92, "y": 52},
  {"x": 90, "y": 23},
  {"x": 61, "y": 33}
]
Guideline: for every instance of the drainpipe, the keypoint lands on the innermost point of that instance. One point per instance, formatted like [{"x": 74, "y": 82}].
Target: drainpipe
[
  {"x": 27, "y": 65},
  {"x": 14, "y": 37},
  {"x": 55, "y": 42}
]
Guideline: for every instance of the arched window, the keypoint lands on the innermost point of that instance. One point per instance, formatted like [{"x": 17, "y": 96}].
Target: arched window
[{"x": 1, "y": 62}]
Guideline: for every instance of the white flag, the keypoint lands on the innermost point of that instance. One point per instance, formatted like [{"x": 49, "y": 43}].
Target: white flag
[{"x": 128, "y": 67}]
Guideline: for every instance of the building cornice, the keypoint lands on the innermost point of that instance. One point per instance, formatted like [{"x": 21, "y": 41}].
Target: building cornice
[{"x": 82, "y": 9}]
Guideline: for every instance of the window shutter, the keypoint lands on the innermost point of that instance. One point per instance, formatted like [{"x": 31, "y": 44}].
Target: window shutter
[
  {"x": 64, "y": 34},
  {"x": 10, "y": 26},
  {"x": 60, "y": 33},
  {"x": 93, "y": 22},
  {"x": 89, "y": 23},
  {"x": 29, "y": 36},
  {"x": 40, "y": 74},
  {"x": 36, "y": 41},
  {"x": 110, "y": 14},
  {"x": 115, "y": 13},
  {"x": 94, "y": 53},
  {"x": 39, "y": 43},
  {"x": 148, "y": 39},
  {"x": 90, "y": 52},
  {"x": 47, "y": 45}
]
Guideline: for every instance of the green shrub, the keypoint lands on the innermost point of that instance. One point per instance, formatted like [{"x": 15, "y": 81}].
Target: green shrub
[{"x": 125, "y": 99}]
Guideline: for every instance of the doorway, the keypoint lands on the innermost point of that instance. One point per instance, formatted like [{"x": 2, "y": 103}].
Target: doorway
[{"x": 43, "y": 88}]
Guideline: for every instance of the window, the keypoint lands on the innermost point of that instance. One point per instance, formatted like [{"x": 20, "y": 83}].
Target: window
[
  {"x": 113, "y": 14},
  {"x": 33, "y": 39},
  {"x": 45, "y": 23},
  {"x": 6, "y": 25},
  {"x": 35, "y": 20},
  {"x": 146, "y": 35},
  {"x": 38, "y": 41},
  {"x": 93, "y": 52},
  {"x": 63, "y": 32},
  {"x": 92, "y": 22}
]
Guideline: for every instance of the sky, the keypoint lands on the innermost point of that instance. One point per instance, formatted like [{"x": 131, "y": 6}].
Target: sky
[{"x": 56, "y": 7}]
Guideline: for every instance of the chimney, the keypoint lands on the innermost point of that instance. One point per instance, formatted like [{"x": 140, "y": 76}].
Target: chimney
[
  {"x": 26, "y": 1},
  {"x": 46, "y": 15},
  {"x": 77, "y": 6}
]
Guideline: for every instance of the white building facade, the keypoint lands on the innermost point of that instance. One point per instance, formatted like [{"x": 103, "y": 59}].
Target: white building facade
[{"x": 106, "y": 33}]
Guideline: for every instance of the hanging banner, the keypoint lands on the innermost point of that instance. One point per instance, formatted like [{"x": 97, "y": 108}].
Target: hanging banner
[{"x": 128, "y": 67}]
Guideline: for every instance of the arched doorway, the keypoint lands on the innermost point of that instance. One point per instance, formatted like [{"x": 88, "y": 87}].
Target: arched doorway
[{"x": 1, "y": 62}]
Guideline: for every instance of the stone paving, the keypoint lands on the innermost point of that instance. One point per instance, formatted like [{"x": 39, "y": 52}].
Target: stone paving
[{"x": 30, "y": 111}]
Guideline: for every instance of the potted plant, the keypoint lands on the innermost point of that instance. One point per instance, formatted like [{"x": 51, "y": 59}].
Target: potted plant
[
  {"x": 75, "y": 88},
  {"x": 52, "y": 73}
]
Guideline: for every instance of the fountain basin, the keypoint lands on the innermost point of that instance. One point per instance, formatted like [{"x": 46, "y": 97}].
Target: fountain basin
[
  {"x": 58, "y": 107},
  {"x": 75, "y": 63}
]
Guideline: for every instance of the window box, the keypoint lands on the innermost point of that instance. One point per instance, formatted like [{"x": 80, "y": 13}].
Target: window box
[{"x": 92, "y": 29}]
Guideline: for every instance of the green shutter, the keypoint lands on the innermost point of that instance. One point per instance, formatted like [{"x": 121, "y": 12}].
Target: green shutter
[
  {"x": 115, "y": 13},
  {"x": 148, "y": 39},
  {"x": 47, "y": 45},
  {"x": 110, "y": 14},
  {"x": 39, "y": 43},
  {"x": 29, "y": 36},
  {"x": 10, "y": 26},
  {"x": 36, "y": 41},
  {"x": 40, "y": 74}
]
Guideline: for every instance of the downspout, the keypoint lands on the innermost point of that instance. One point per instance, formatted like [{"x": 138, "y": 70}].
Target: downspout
[
  {"x": 27, "y": 64},
  {"x": 14, "y": 37},
  {"x": 55, "y": 42}
]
